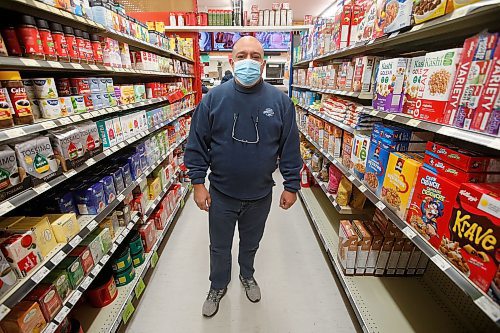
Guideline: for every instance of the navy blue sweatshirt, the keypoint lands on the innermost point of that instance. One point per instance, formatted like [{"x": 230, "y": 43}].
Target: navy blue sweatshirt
[{"x": 238, "y": 169}]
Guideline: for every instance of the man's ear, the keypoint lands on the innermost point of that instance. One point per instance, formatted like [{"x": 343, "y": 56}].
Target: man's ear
[{"x": 262, "y": 66}]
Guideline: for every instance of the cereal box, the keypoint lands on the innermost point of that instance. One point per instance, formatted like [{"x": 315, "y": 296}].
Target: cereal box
[
  {"x": 463, "y": 69},
  {"x": 480, "y": 71},
  {"x": 458, "y": 175},
  {"x": 396, "y": 133},
  {"x": 392, "y": 262},
  {"x": 463, "y": 159},
  {"x": 436, "y": 84},
  {"x": 348, "y": 246},
  {"x": 359, "y": 154},
  {"x": 389, "y": 90},
  {"x": 431, "y": 205},
  {"x": 380, "y": 21},
  {"x": 471, "y": 241},
  {"x": 347, "y": 143},
  {"x": 411, "y": 268},
  {"x": 364, "y": 245},
  {"x": 404, "y": 258},
  {"x": 364, "y": 21},
  {"x": 398, "y": 182},
  {"x": 413, "y": 77},
  {"x": 383, "y": 256},
  {"x": 364, "y": 72},
  {"x": 377, "y": 239},
  {"x": 386, "y": 227},
  {"x": 376, "y": 163},
  {"x": 425, "y": 10},
  {"x": 398, "y": 14}
]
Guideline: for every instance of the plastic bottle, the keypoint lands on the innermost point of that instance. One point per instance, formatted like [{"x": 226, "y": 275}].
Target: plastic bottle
[
  {"x": 47, "y": 40},
  {"x": 60, "y": 43}
]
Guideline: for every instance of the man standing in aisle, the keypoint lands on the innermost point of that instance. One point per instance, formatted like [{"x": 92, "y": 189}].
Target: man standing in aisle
[{"x": 239, "y": 130}]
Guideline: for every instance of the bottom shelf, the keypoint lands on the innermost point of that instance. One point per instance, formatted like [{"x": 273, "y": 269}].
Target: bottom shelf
[
  {"x": 381, "y": 304},
  {"x": 109, "y": 318}
]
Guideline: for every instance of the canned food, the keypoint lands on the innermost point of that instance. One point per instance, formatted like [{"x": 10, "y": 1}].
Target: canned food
[
  {"x": 50, "y": 108},
  {"x": 63, "y": 87},
  {"x": 80, "y": 86},
  {"x": 78, "y": 103},
  {"x": 45, "y": 88}
]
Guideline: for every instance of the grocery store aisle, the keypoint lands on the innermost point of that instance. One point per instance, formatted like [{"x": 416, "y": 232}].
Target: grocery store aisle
[{"x": 299, "y": 293}]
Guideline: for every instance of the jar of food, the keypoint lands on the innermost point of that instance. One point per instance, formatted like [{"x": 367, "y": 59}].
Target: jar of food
[
  {"x": 60, "y": 43},
  {"x": 47, "y": 40},
  {"x": 80, "y": 42},
  {"x": 6, "y": 109},
  {"x": 88, "y": 48},
  {"x": 29, "y": 38},
  {"x": 73, "y": 52},
  {"x": 21, "y": 105},
  {"x": 96, "y": 49},
  {"x": 11, "y": 41}
]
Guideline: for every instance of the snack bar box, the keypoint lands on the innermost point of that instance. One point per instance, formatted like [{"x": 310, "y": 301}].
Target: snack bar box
[{"x": 471, "y": 243}]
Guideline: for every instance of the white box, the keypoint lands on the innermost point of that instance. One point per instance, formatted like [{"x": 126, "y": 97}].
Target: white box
[
  {"x": 266, "y": 17},
  {"x": 283, "y": 14},
  {"x": 261, "y": 17},
  {"x": 289, "y": 17}
]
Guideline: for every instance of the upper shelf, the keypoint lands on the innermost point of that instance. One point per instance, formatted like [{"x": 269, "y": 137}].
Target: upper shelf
[
  {"x": 249, "y": 28},
  {"x": 40, "y": 9},
  {"x": 446, "y": 31}
]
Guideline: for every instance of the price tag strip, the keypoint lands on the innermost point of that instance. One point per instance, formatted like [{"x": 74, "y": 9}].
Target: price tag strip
[
  {"x": 487, "y": 305},
  {"x": 14, "y": 133},
  {"x": 62, "y": 314},
  {"x": 440, "y": 262},
  {"x": 58, "y": 258},
  {"x": 40, "y": 275},
  {"x": 42, "y": 188},
  {"x": 75, "y": 297},
  {"x": 75, "y": 241}
]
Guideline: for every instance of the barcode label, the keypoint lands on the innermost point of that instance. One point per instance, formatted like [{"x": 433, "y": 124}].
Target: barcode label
[
  {"x": 29, "y": 62},
  {"x": 4, "y": 310},
  {"x": 409, "y": 233},
  {"x": 14, "y": 133},
  {"x": 96, "y": 270},
  {"x": 362, "y": 188},
  {"x": 75, "y": 297},
  {"x": 76, "y": 118},
  {"x": 62, "y": 314},
  {"x": 48, "y": 124},
  {"x": 77, "y": 66},
  {"x": 70, "y": 173},
  {"x": 94, "y": 67},
  {"x": 55, "y": 64},
  {"x": 86, "y": 282},
  {"x": 75, "y": 241},
  {"x": 90, "y": 162},
  {"x": 65, "y": 121},
  {"x": 351, "y": 178},
  {"x": 380, "y": 205},
  {"x": 390, "y": 116},
  {"x": 105, "y": 259},
  {"x": 40, "y": 275},
  {"x": 42, "y": 188},
  {"x": 5, "y": 207},
  {"x": 58, "y": 258},
  {"x": 440, "y": 262},
  {"x": 92, "y": 225},
  {"x": 487, "y": 305},
  {"x": 51, "y": 328},
  {"x": 413, "y": 122}
]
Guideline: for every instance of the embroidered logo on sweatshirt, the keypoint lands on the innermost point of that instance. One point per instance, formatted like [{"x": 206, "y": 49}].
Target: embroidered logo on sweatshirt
[{"x": 268, "y": 112}]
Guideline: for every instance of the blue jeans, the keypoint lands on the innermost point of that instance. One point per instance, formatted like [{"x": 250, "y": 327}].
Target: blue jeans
[{"x": 223, "y": 214}]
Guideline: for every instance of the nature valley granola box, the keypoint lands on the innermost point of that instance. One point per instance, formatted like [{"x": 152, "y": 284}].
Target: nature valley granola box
[
  {"x": 471, "y": 243},
  {"x": 398, "y": 183},
  {"x": 436, "y": 84}
]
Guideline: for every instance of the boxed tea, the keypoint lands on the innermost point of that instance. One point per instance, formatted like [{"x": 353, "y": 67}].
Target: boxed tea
[
  {"x": 64, "y": 226},
  {"x": 25, "y": 317},
  {"x": 74, "y": 269},
  {"x": 59, "y": 280},
  {"x": 93, "y": 242},
  {"x": 42, "y": 229},
  {"x": 68, "y": 147},
  {"x": 47, "y": 298},
  {"x": 13, "y": 178},
  {"x": 90, "y": 138},
  {"x": 21, "y": 251},
  {"x": 85, "y": 256}
]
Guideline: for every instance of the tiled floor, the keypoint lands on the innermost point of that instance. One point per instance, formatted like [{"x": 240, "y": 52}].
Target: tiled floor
[{"x": 299, "y": 292}]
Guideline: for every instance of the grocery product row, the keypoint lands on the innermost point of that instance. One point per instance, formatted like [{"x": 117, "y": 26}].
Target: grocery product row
[
  {"x": 439, "y": 87},
  {"x": 106, "y": 18},
  {"x": 422, "y": 182},
  {"x": 356, "y": 24},
  {"x": 93, "y": 194},
  {"x": 81, "y": 275}
]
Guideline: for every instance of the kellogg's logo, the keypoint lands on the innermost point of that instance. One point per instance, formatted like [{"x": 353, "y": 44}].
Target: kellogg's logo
[{"x": 468, "y": 195}]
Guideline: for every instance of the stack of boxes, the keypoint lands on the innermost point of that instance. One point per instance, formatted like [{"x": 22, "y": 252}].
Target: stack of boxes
[{"x": 279, "y": 14}]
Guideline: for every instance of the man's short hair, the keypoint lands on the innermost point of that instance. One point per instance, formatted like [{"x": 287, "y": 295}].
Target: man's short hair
[{"x": 228, "y": 72}]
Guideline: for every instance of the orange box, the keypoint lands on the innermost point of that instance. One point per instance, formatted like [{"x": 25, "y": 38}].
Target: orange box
[
  {"x": 364, "y": 246},
  {"x": 25, "y": 317}
]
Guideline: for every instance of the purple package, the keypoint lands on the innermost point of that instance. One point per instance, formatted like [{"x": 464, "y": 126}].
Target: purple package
[
  {"x": 109, "y": 189},
  {"x": 118, "y": 94},
  {"x": 494, "y": 121},
  {"x": 134, "y": 162},
  {"x": 390, "y": 79}
]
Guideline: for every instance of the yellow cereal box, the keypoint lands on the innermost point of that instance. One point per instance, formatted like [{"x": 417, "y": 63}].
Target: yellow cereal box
[{"x": 399, "y": 181}]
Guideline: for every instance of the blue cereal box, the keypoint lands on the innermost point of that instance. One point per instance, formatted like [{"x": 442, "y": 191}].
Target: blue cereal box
[{"x": 376, "y": 164}]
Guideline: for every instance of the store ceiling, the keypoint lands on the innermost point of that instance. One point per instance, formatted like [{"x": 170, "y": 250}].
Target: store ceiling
[{"x": 299, "y": 7}]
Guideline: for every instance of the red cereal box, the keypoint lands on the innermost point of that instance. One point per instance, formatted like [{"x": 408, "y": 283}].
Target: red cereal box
[
  {"x": 462, "y": 159},
  {"x": 431, "y": 205},
  {"x": 457, "y": 175},
  {"x": 463, "y": 69},
  {"x": 471, "y": 242}
]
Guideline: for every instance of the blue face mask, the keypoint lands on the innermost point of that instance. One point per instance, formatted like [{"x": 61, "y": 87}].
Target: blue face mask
[{"x": 247, "y": 72}]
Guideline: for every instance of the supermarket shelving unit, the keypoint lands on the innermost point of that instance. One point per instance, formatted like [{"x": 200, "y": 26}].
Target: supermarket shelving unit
[
  {"x": 232, "y": 28},
  {"x": 88, "y": 223},
  {"x": 394, "y": 304}
]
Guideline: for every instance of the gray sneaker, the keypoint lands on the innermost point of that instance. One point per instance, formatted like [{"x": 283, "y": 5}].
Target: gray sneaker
[
  {"x": 211, "y": 305},
  {"x": 252, "y": 289}
]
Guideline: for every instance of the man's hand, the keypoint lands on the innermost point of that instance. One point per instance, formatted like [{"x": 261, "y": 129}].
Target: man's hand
[
  {"x": 202, "y": 197},
  {"x": 287, "y": 199}
]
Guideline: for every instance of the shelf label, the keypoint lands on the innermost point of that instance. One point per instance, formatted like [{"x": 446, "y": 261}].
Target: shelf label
[
  {"x": 75, "y": 241},
  {"x": 87, "y": 115},
  {"x": 120, "y": 197},
  {"x": 413, "y": 122},
  {"x": 65, "y": 120},
  {"x": 40, "y": 275},
  {"x": 4, "y": 310},
  {"x": 390, "y": 116},
  {"x": 51, "y": 328},
  {"x": 394, "y": 34},
  {"x": 154, "y": 259},
  {"x": 370, "y": 42},
  {"x": 55, "y": 64},
  {"x": 76, "y": 66},
  {"x": 58, "y": 258},
  {"x": 42, "y": 188},
  {"x": 62, "y": 314},
  {"x": 96, "y": 270},
  {"x": 362, "y": 188},
  {"x": 90, "y": 162},
  {"x": 130, "y": 226},
  {"x": 70, "y": 173},
  {"x": 105, "y": 259},
  {"x": 94, "y": 67},
  {"x": 120, "y": 239},
  {"x": 139, "y": 288},
  {"x": 86, "y": 282},
  {"x": 76, "y": 118},
  {"x": 128, "y": 311},
  {"x": 488, "y": 307},
  {"x": 182, "y": 203},
  {"x": 92, "y": 225},
  {"x": 48, "y": 124},
  {"x": 75, "y": 297},
  {"x": 29, "y": 62},
  {"x": 351, "y": 178},
  {"x": 440, "y": 262},
  {"x": 114, "y": 247},
  {"x": 409, "y": 233},
  {"x": 14, "y": 133},
  {"x": 107, "y": 152},
  {"x": 5, "y": 207},
  {"x": 373, "y": 112},
  {"x": 380, "y": 205}
]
